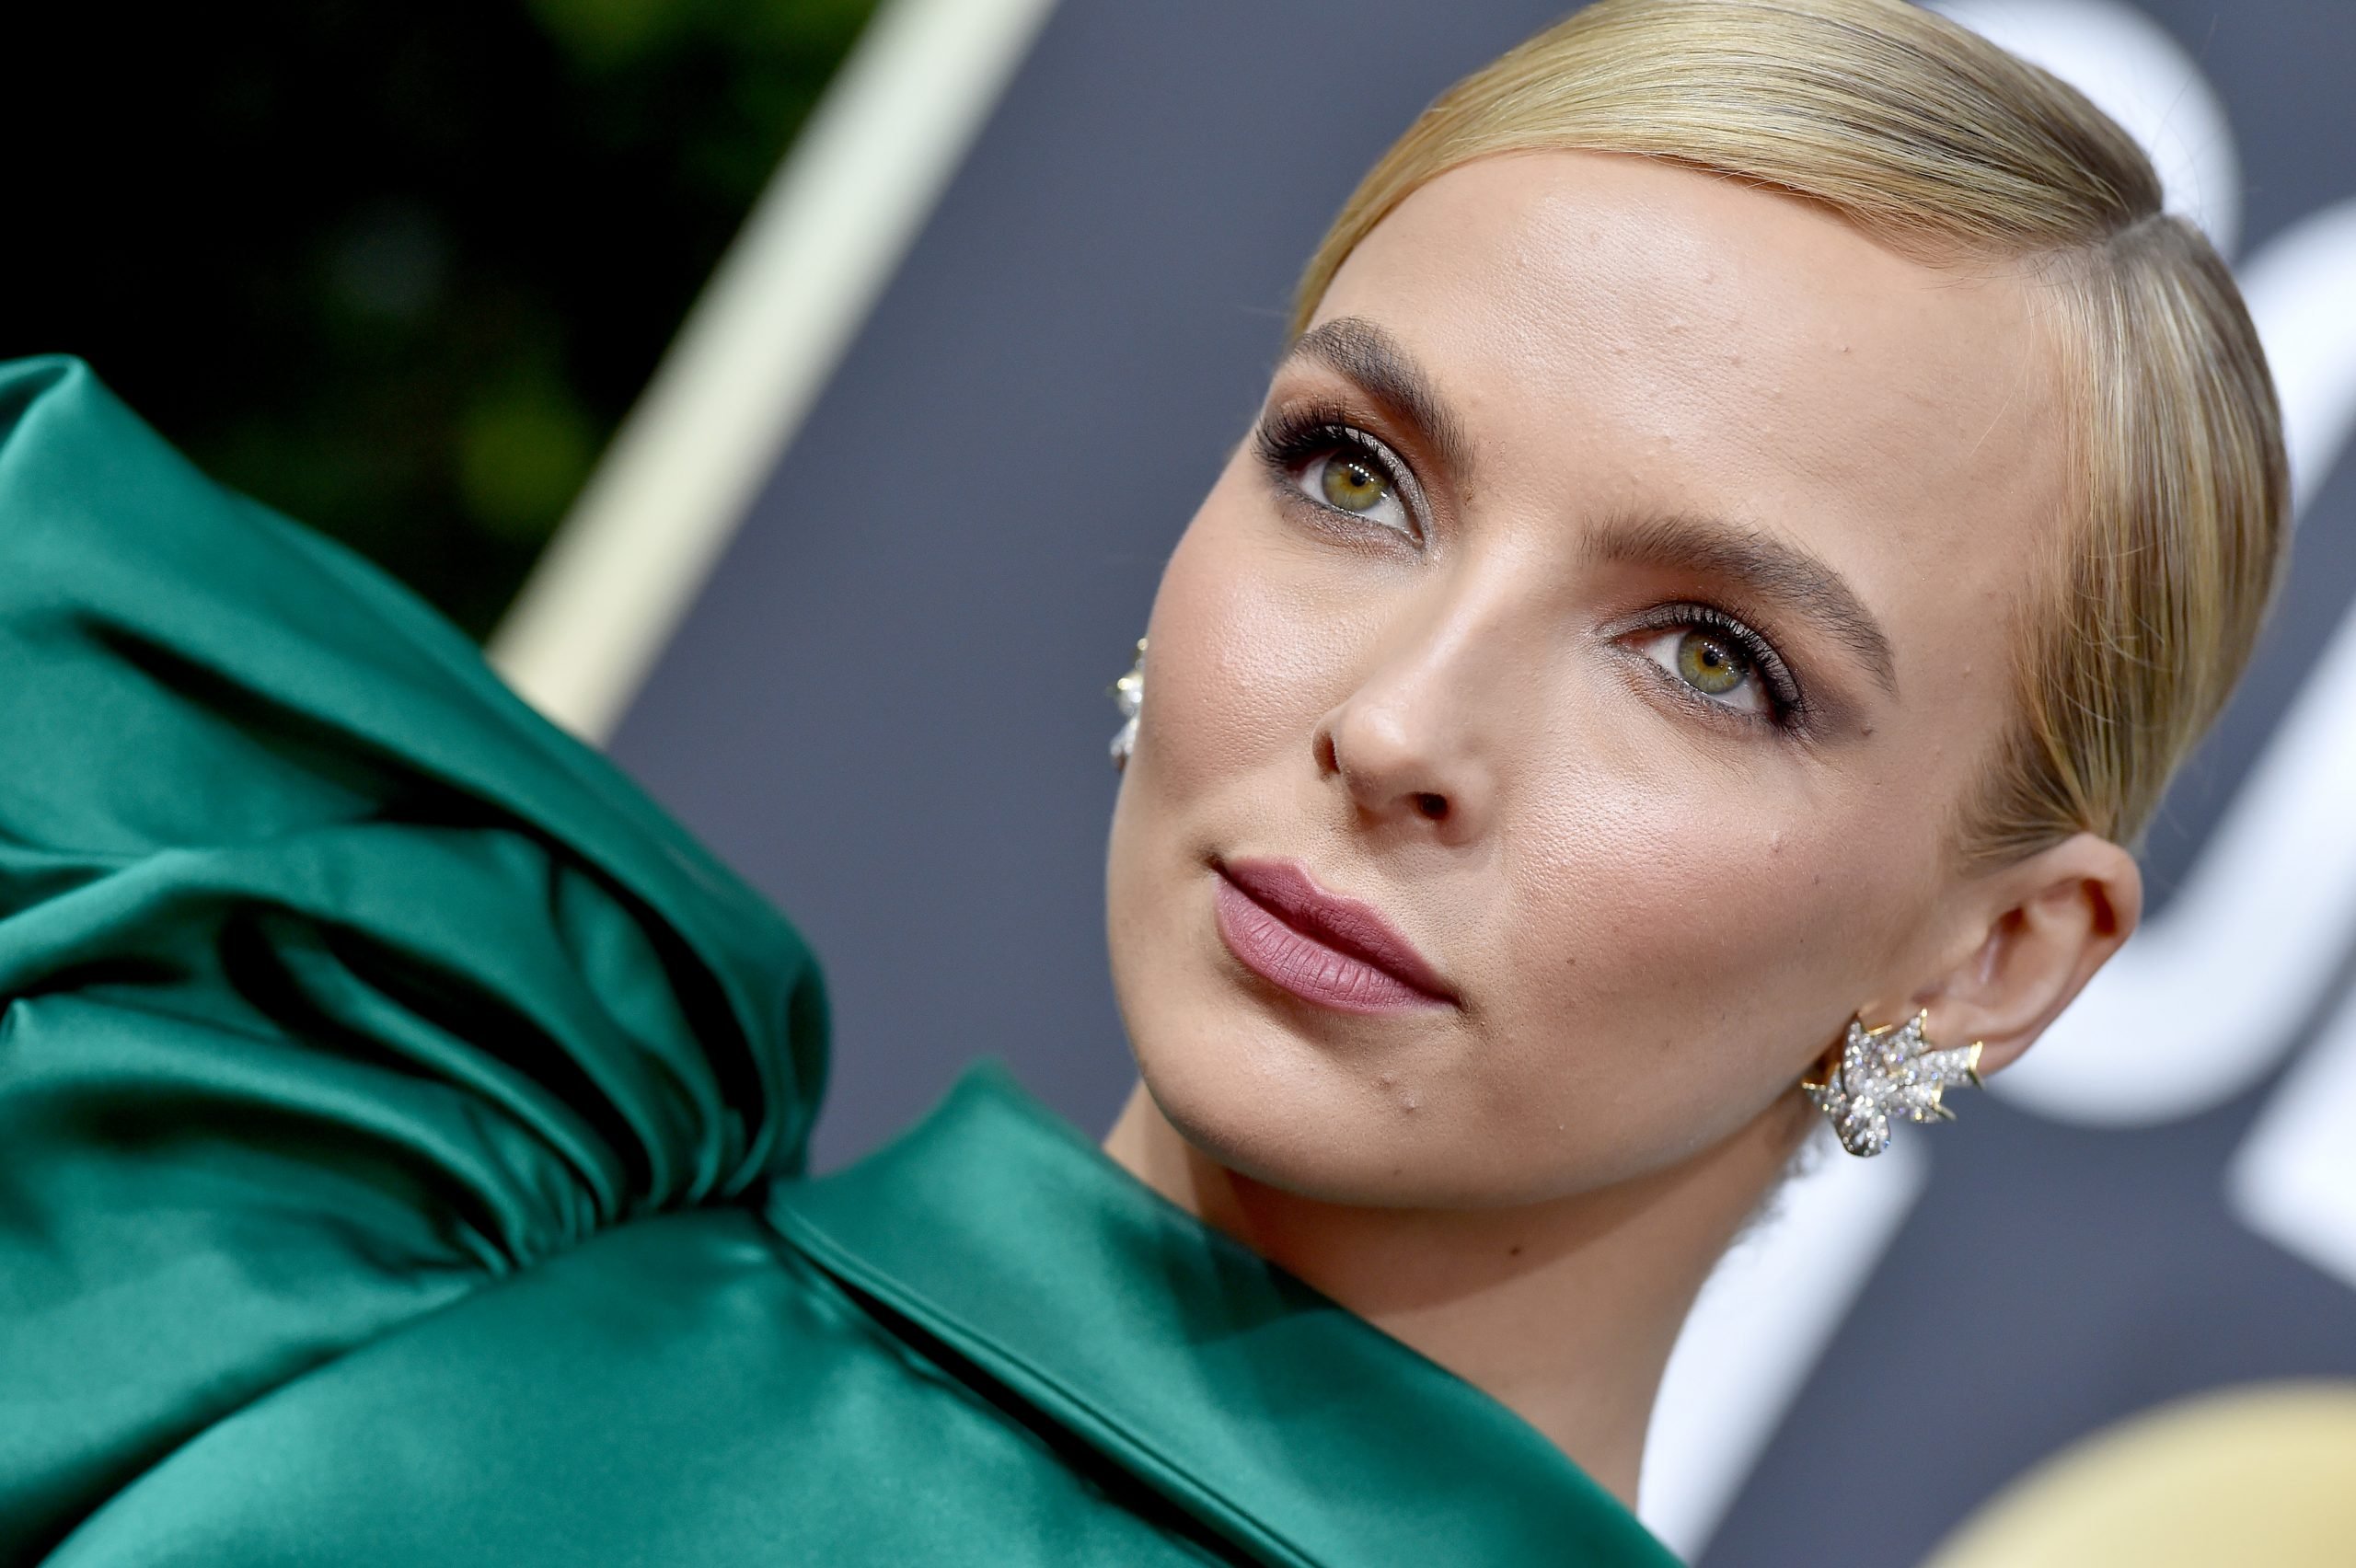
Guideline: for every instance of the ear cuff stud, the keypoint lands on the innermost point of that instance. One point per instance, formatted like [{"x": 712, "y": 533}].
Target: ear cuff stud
[
  {"x": 1128, "y": 696},
  {"x": 1886, "y": 1074}
]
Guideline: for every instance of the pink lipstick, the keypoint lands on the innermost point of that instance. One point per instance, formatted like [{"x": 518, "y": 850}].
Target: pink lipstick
[{"x": 1323, "y": 948}]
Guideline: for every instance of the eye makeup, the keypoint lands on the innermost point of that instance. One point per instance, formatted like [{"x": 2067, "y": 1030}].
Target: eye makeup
[
  {"x": 1762, "y": 570},
  {"x": 1784, "y": 702},
  {"x": 1291, "y": 439}
]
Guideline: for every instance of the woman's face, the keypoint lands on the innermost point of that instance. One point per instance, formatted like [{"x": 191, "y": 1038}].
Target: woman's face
[{"x": 1612, "y": 608}]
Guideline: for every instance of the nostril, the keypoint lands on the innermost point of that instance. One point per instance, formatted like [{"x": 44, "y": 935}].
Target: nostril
[{"x": 1432, "y": 806}]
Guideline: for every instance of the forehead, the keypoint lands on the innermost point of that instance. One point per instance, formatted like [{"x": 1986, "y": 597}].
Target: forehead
[{"x": 1666, "y": 336}]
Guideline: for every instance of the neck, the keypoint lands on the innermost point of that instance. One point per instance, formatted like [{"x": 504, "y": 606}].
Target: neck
[{"x": 1564, "y": 1312}]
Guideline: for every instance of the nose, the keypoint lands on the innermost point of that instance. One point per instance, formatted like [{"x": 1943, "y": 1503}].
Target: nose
[{"x": 1408, "y": 741}]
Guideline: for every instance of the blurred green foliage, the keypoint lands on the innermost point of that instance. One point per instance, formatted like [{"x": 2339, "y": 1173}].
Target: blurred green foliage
[{"x": 396, "y": 267}]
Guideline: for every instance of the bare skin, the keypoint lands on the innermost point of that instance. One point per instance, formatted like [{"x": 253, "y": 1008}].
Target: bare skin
[{"x": 1632, "y": 650}]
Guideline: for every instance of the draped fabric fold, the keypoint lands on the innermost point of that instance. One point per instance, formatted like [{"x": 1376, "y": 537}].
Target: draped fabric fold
[
  {"x": 337, "y": 983},
  {"x": 396, "y": 1114}
]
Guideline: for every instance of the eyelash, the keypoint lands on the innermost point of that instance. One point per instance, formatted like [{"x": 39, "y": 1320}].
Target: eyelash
[
  {"x": 1289, "y": 440},
  {"x": 1787, "y": 706}
]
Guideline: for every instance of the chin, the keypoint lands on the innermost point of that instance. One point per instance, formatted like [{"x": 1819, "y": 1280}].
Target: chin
[{"x": 1287, "y": 1116}]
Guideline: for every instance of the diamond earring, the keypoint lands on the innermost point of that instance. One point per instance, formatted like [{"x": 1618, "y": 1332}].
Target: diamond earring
[
  {"x": 1890, "y": 1072},
  {"x": 1128, "y": 695}
]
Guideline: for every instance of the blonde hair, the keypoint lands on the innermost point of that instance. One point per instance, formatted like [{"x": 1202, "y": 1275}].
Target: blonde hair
[{"x": 1937, "y": 142}]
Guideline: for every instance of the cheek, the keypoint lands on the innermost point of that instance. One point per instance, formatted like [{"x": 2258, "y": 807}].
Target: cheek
[
  {"x": 1242, "y": 651},
  {"x": 1228, "y": 684},
  {"x": 1671, "y": 927}
]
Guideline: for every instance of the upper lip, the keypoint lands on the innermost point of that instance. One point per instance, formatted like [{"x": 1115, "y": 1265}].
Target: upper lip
[{"x": 1285, "y": 888}]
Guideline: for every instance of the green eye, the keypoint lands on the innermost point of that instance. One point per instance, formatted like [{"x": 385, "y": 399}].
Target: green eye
[
  {"x": 1352, "y": 484},
  {"x": 1710, "y": 665},
  {"x": 1712, "y": 656}
]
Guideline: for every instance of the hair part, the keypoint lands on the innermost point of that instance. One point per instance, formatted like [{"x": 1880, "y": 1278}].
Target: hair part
[{"x": 1939, "y": 145}]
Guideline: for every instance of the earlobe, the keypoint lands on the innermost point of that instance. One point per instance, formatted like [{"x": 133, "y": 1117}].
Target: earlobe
[{"x": 2056, "y": 917}]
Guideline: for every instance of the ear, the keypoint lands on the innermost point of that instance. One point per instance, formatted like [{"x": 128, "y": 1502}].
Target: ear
[{"x": 2048, "y": 923}]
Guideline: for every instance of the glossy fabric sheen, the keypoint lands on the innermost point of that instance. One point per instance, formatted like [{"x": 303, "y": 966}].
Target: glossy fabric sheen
[{"x": 401, "y": 1128}]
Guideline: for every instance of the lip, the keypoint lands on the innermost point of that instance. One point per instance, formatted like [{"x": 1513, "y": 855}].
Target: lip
[{"x": 1322, "y": 947}]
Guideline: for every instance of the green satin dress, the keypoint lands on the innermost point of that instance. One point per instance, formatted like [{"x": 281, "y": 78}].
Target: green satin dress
[{"x": 402, "y": 1134}]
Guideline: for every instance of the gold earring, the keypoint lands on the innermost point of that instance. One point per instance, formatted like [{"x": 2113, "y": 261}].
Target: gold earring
[
  {"x": 1128, "y": 695},
  {"x": 1890, "y": 1072}
]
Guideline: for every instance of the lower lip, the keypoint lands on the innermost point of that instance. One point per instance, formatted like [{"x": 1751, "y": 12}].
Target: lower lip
[{"x": 1287, "y": 957}]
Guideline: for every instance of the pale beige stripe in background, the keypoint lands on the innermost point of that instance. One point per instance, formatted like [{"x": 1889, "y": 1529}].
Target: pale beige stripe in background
[{"x": 780, "y": 312}]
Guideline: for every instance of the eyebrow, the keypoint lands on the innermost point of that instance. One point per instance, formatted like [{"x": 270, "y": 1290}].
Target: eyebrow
[
  {"x": 1772, "y": 568},
  {"x": 1356, "y": 350}
]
